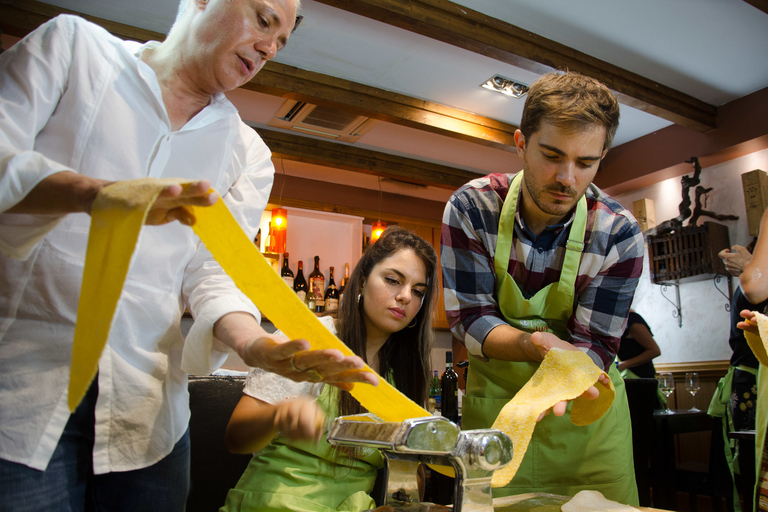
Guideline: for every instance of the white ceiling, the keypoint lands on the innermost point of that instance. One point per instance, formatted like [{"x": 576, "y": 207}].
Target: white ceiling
[{"x": 713, "y": 50}]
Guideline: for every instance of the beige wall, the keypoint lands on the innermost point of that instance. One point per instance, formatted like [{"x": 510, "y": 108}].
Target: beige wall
[{"x": 704, "y": 333}]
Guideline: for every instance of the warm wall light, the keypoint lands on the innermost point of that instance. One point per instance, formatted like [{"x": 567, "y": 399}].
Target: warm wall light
[
  {"x": 279, "y": 226},
  {"x": 505, "y": 86},
  {"x": 377, "y": 228}
]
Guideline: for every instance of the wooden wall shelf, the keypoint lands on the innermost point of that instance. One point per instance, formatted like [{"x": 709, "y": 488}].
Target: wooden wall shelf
[{"x": 688, "y": 254}]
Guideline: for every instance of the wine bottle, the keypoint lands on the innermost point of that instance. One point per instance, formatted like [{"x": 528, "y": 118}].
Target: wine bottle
[
  {"x": 331, "y": 294},
  {"x": 285, "y": 272},
  {"x": 317, "y": 285},
  {"x": 311, "y": 302},
  {"x": 300, "y": 284},
  {"x": 449, "y": 397},
  {"x": 344, "y": 281},
  {"x": 257, "y": 240},
  {"x": 434, "y": 390}
]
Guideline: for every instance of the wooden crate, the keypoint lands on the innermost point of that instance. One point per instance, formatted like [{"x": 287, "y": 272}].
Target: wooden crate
[
  {"x": 688, "y": 254},
  {"x": 645, "y": 213},
  {"x": 755, "y": 186}
]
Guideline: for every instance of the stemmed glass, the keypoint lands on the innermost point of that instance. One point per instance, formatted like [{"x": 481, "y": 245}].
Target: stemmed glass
[
  {"x": 667, "y": 386},
  {"x": 692, "y": 385}
]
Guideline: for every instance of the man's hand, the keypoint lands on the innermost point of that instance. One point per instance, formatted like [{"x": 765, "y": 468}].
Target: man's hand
[
  {"x": 590, "y": 394},
  {"x": 170, "y": 204},
  {"x": 293, "y": 360},
  {"x": 544, "y": 342},
  {"x": 735, "y": 259},
  {"x": 68, "y": 192}
]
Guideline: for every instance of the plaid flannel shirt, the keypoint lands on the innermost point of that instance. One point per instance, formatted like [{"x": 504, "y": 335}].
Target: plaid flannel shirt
[{"x": 610, "y": 266}]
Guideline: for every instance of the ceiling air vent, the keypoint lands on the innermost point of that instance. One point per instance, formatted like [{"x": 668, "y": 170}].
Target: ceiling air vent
[{"x": 321, "y": 120}]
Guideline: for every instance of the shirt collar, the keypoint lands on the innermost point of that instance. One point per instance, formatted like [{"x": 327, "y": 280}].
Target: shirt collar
[
  {"x": 554, "y": 227},
  {"x": 219, "y": 106}
]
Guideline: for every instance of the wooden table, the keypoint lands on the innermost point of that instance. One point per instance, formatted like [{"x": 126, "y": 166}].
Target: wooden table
[{"x": 681, "y": 421}]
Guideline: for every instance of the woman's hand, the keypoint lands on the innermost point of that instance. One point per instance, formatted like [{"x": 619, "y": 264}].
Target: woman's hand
[
  {"x": 300, "y": 418},
  {"x": 749, "y": 324}
]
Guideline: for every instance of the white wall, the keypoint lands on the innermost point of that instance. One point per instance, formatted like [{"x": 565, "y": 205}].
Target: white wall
[
  {"x": 337, "y": 238},
  {"x": 704, "y": 333}
]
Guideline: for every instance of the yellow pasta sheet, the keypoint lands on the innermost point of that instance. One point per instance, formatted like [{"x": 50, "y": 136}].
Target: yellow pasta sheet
[
  {"x": 757, "y": 343},
  {"x": 562, "y": 375},
  {"x": 117, "y": 215}
]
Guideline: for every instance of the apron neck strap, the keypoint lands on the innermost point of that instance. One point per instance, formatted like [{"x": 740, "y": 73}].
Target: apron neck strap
[{"x": 574, "y": 246}]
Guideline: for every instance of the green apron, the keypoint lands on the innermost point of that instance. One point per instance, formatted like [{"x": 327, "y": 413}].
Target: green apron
[
  {"x": 761, "y": 424},
  {"x": 561, "y": 457},
  {"x": 304, "y": 476},
  {"x": 719, "y": 407}
]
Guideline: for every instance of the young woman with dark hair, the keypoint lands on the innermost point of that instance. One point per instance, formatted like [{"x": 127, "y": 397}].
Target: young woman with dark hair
[{"x": 385, "y": 317}]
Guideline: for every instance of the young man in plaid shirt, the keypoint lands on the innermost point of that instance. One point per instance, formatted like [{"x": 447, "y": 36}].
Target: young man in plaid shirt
[{"x": 543, "y": 259}]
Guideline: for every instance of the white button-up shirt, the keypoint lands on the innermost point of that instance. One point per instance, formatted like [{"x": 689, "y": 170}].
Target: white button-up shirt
[{"x": 73, "y": 97}]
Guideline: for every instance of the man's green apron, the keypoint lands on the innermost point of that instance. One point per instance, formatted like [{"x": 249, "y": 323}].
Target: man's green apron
[{"x": 561, "y": 457}]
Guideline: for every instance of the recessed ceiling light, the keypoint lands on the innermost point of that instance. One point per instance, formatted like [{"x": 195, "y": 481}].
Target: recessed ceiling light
[{"x": 506, "y": 86}]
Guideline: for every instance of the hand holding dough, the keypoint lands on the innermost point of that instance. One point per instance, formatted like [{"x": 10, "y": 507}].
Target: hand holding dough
[
  {"x": 757, "y": 343},
  {"x": 562, "y": 375}
]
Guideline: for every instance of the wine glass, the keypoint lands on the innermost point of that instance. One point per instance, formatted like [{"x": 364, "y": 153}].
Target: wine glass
[
  {"x": 692, "y": 385},
  {"x": 667, "y": 386}
]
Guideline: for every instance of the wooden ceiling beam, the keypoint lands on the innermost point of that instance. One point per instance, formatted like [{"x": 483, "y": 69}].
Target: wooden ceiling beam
[
  {"x": 19, "y": 17},
  {"x": 352, "y": 158},
  {"x": 460, "y": 26},
  {"x": 298, "y": 84},
  {"x": 759, "y": 4}
]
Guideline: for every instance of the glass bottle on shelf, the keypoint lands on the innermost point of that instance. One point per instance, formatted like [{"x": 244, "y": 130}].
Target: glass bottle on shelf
[
  {"x": 300, "y": 284},
  {"x": 317, "y": 285},
  {"x": 331, "y": 294},
  {"x": 435, "y": 391},
  {"x": 344, "y": 281},
  {"x": 311, "y": 302},
  {"x": 285, "y": 272},
  {"x": 257, "y": 240},
  {"x": 449, "y": 397}
]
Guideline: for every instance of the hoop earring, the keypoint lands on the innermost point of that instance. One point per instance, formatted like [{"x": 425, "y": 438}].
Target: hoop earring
[
  {"x": 359, "y": 299},
  {"x": 412, "y": 324}
]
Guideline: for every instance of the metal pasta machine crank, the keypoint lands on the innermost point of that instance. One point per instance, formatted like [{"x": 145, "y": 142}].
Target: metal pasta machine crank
[{"x": 434, "y": 440}]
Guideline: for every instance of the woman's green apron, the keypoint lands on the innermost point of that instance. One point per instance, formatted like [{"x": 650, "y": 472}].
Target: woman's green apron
[
  {"x": 302, "y": 475},
  {"x": 719, "y": 407},
  {"x": 761, "y": 425},
  {"x": 561, "y": 457}
]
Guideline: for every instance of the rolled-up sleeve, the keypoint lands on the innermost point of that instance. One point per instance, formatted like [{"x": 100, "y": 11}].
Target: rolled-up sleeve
[
  {"x": 604, "y": 301},
  {"x": 469, "y": 227}
]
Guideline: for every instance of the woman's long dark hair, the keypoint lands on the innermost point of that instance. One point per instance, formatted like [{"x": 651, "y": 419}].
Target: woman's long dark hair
[{"x": 406, "y": 352}]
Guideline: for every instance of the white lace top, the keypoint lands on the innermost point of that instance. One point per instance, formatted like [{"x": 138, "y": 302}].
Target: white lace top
[{"x": 272, "y": 388}]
